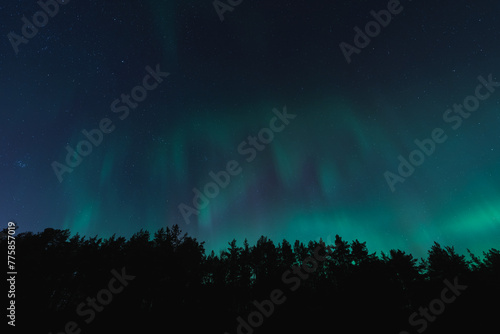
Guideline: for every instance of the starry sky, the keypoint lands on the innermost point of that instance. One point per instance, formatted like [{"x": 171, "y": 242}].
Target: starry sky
[{"x": 222, "y": 75}]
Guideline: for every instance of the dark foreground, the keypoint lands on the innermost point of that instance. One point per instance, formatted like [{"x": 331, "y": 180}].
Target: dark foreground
[{"x": 165, "y": 283}]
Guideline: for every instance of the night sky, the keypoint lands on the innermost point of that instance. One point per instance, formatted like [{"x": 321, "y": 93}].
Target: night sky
[{"x": 343, "y": 118}]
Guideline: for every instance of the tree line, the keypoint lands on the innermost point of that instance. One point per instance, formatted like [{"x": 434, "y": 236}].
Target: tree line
[{"x": 178, "y": 286}]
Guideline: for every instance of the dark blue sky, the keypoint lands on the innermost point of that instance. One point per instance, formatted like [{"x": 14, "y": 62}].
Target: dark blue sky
[{"x": 320, "y": 173}]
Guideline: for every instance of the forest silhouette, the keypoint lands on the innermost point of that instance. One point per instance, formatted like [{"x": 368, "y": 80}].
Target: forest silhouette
[{"x": 178, "y": 288}]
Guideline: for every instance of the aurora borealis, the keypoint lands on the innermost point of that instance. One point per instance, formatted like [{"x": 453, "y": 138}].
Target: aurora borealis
[{"x": 322, "y": 175}]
